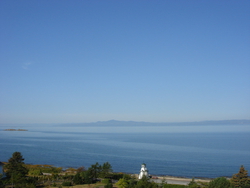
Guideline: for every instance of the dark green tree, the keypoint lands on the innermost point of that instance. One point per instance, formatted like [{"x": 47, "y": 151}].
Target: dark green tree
[
  {"x": 220, "y": 182},
  {"x": 145, "y": 183},
  {"x": 174, "y": 186},
  {"x": 131, "y": 183},
  {"x": 87, "y": 178},
  {"x": 15, "y": 169},
  {"x": 193, "y": 184},
  {"x": 78, "y": 179},
  {"x": 94, "y": 170},
  {"x": 105, "y": 170},
  {"x": 108, "y": 185},
  {"x": 241, "y": 179},
  {"x": 1, "y": 181}
]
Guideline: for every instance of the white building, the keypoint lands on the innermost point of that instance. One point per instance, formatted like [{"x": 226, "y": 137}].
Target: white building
[{"x": 144, "y": 171}]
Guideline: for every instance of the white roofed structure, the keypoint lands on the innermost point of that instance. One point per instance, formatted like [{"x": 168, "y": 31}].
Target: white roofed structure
[{"x": 144, "y": 171}]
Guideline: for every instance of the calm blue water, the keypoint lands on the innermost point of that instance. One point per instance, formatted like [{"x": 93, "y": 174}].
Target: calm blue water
[{"x": 189, "y": 151}]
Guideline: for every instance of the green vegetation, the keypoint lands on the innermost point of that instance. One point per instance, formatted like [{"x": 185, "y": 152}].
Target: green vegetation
[
  {"x": 78, "y": 179},
  {"x": 22, "y": 175},
  {"x": 16, "y": 171},
  {"x": 1, "y": 182},
  {"x": 106, "y": 170},
  {"x": 241, "y": 179},
  {"x": 36, "y": 170},
  {"x": 145, "y": 183},
  {"x": 66, "y": 183},
  {"x": 220, "y": 182},
  {"x": 174, "y": 186},
  {"x": 106, "y": 181},
  {"x": 122, "y": 183}
]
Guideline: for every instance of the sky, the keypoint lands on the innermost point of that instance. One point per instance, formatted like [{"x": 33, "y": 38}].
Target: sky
[{"x": 66, "y": 61}]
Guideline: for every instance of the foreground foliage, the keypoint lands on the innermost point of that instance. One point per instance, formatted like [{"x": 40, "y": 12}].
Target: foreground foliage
[
  {"x": 220, "y": 182},
  {"x": 16, "y": 171},
  {"x": 174, "y": 186},
  {"x": 18, "y": 175},
  {"x": 241, "y": 179},
  {"x": 36, "y": 170}
]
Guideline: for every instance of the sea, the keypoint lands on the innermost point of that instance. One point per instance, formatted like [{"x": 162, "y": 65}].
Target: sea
[{"x": 199, "y": 151}]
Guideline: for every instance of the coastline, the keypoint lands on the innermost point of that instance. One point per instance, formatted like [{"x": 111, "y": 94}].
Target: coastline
[
  {"x": 176, "y": 180},
  {"x": 161, "y": 179},
  {"x": 180, "y": 180}
]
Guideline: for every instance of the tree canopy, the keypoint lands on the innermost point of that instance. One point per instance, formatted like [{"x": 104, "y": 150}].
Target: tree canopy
[
  {"x": 15, "y": 169},
  {"x": 241, "y": 179},
  {"x": 220, "y": 182}
]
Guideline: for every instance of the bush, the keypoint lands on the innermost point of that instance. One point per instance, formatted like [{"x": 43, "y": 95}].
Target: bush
[
  {"x": 109, "y": 185},
  {"x": 34, "y": 172},
  {"x": 66, "y": 183},
  {"x": 220, "y": 182},
  {"x": 117, "y": 176},
  {"x": 106, "y": 181},
  {"x": 78, "y": 179},
  {"x": 35, "y": 169},
  {"x": 174, "y": 186},
  {"x": 54, "y": 185}
]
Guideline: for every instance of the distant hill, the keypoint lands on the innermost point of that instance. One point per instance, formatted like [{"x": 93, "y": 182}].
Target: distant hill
[{"x": 141, "y": 123}]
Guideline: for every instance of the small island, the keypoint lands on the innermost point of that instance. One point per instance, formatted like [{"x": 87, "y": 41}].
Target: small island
[{"x": 15, "y": 130}]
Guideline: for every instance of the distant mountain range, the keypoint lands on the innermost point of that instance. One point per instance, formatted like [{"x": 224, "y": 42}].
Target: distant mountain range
[{"x": 141, "y": 123}]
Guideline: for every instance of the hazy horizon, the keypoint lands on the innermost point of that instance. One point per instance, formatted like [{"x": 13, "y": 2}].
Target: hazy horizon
[{"x": 118, "y": 122}]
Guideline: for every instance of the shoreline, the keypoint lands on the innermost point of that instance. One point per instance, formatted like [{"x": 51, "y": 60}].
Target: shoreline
[
  {"x": 163, "y": 179},
  {"x": 176, "y": 180}
]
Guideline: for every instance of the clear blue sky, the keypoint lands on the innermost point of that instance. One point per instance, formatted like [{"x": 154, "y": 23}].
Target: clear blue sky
[{"x": 158, "y": 61}]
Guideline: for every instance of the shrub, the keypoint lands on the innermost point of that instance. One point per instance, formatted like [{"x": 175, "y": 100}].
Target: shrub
[
  {"x": 220, "y": 182},
  {"x": 54, "y": 185},
  {"x": 106, "y": 181},
  {"x": 78, "y": 179},
  {"x": 109, "y": 185},
  {"x": 66, "y": 183},
  {"x": 174, "y": 186},
  {"x": 117, "y": 176},
  {"x": 35, "y": 172}
]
